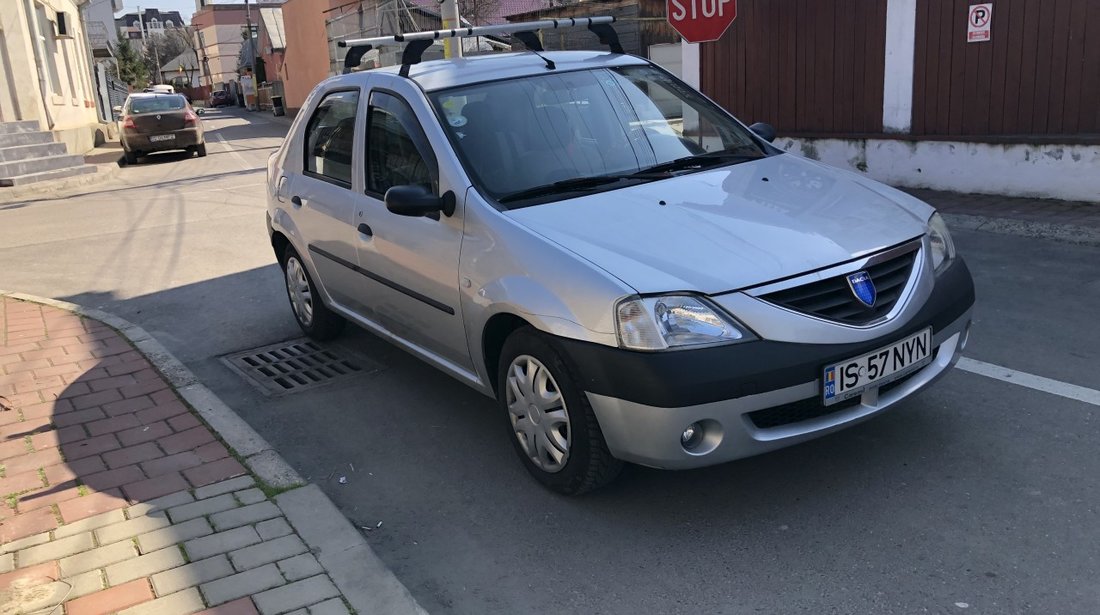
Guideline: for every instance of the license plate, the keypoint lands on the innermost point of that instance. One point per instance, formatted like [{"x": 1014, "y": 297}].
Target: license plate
[
  {"x": 162, "y": 137},
  {"x": 850, "y": 378}
]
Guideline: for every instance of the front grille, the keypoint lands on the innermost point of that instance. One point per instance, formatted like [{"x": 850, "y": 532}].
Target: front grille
[
  {"x": 833, "y": 299},
  {"x": 796, "y": 412}
]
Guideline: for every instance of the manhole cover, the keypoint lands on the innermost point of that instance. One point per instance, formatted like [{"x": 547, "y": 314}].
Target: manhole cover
[{"x": 289, "y": 367}]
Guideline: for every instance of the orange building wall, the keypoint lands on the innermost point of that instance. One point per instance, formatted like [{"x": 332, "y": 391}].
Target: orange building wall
[{"x": 305, "y": 63}]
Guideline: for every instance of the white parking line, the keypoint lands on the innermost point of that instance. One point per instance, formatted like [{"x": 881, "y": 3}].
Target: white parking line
[
  {"x": 230, "y": 149},
  {"x": 1031, "y": 381}
]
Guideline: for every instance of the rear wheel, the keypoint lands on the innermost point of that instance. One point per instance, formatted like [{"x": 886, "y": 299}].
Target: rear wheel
[
  {"x": 313, "y": 316},
  {"x": 553, "y": 427},
  {"x": 201, "y": 149},
  {"x": 129, "y": 157}
]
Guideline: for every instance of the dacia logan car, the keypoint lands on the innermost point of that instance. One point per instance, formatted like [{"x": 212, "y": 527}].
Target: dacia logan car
[{"x": 633, "y": 274}]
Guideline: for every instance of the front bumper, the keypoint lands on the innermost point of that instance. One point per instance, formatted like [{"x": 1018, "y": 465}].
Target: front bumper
[{"x": 634, "y": 395}]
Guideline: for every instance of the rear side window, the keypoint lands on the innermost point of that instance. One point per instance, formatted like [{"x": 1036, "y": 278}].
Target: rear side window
[
  {"x": 330, "y": 137},
  {"x": 398, "y": 153},
  {"x": 157, "y": 103}
]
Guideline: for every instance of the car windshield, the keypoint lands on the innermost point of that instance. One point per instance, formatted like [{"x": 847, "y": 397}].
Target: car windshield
[
  {"x": 537, "y": 138},
  {"x": 156, "y": 103}
]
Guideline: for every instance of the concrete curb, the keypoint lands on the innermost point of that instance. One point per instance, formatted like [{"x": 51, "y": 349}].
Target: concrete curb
[
  {"x": 15, "y": 194},
  {"x": 346, "y": 556},
  {"x": 1068, "y": 233}
]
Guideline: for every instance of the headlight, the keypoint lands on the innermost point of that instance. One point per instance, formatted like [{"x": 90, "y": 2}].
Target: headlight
[
  {"x": 674, "y": 321},
  {"x": 943, "y": 249}
]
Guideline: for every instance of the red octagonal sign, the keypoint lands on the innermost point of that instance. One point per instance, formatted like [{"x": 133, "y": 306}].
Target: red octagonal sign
[{"x": 699, "y": 21}]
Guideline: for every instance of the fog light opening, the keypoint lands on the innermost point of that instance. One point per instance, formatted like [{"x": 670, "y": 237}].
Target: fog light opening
[{"x": 692, "y": 436}]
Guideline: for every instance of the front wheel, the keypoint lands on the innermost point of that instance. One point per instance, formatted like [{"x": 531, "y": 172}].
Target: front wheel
[
  {"x": 553, "y": 427},
  {"x": 313, "y": 316}
]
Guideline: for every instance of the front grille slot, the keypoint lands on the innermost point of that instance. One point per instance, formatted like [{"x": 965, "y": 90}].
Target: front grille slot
[
  {"x": 812, "y": 407},
  {"x": 833, "y": 299}
]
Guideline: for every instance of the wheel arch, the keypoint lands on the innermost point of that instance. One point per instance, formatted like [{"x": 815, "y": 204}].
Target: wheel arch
[
  {"x": 496, "y": 332},
  {"x": 279, "y": 242}
]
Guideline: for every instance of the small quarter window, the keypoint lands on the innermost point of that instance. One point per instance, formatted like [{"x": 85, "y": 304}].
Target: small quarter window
[
  {"x": 398, "y": 153},
  {"x": 330, "y": 137}
]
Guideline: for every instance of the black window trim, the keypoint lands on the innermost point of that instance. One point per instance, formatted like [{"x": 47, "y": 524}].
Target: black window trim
[
  {"x": 419, "y": 140},
  {"x": 305, "y": 133}
]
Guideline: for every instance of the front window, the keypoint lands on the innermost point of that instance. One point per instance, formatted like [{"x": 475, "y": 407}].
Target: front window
[
  {"x": 155, "y": 104},
  {"x": 550, "y": 136}
]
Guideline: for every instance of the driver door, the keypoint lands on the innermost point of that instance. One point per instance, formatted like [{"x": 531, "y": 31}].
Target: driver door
[{"x": 411, "y": 262}]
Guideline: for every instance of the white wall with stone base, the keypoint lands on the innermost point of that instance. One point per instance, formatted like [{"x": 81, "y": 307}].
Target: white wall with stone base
[{"x": 1069, "y": 172}]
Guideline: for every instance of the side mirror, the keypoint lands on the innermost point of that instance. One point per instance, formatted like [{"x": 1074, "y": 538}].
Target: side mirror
[
  {"x": 764, "y": 131},
  {"x": 416, "y": 200},
  {"x": 116, "y": 109}
]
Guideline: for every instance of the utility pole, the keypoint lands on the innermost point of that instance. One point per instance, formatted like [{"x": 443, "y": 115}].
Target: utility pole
[
  {"x": 251, "y": 52},
  {"x": 452, "y": 47}
]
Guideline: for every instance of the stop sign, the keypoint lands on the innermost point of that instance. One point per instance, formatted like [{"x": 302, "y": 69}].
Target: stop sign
[{"x": 699, "y": 21}]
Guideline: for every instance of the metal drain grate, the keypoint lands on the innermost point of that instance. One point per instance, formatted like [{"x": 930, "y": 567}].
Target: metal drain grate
[{"x": 291, "y": 366}]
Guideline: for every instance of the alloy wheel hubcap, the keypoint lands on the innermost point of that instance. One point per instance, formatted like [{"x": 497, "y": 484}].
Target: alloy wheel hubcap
[
  {"x": 538, "y": 414},
  {"x": 297, "y": 286}
]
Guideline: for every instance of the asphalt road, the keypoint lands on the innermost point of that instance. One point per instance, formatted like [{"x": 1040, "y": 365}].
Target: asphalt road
[{"x": 978, "y": 496}]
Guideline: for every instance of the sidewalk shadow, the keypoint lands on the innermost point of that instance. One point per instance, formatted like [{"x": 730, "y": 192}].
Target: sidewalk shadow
[{"x": 109, "y": 440}]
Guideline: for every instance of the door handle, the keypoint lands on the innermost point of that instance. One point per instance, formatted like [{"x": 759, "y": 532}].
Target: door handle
[
  {"x": 366, "y": 230},
  {"x": 296, "y": 201}
]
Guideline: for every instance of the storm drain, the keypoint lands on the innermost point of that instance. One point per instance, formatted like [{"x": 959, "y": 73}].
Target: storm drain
[{"x": 292, "y": 366}]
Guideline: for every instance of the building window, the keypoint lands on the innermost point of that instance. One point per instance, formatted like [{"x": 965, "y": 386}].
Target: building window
[
  {"x": 154, "y": 24},
  {"x": 48, "y": 47}
]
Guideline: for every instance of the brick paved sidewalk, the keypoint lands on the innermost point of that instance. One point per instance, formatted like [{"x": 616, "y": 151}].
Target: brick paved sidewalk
[{"x": 118, "y": 499}]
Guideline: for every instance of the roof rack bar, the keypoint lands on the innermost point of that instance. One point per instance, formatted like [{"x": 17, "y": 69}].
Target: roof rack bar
[{"x": 397, "y": 39}]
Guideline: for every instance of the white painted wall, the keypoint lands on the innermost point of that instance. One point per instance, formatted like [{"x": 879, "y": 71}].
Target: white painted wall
[
  {"x": 68, "y": 107},
  {"x": 897, "y": 87},
  {"x": 689, "y": 63},
  {"x": 1070, "y": 172}
]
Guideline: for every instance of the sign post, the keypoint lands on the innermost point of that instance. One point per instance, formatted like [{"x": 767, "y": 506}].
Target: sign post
[
  {"x": 700, "y": 21},
  {"x": 979, "y": 21}
]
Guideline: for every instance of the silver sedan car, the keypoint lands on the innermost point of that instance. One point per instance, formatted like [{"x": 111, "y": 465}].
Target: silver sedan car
[{"x": 632, "y": 273}]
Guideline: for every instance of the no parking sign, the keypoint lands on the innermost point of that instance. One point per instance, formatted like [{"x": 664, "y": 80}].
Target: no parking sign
[{"x": 979, "y": 20}]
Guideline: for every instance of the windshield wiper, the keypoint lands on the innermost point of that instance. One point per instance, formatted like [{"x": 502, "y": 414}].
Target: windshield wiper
[
  {"x": 699, "y": 161},
  {"x": 572, "y": 185}
]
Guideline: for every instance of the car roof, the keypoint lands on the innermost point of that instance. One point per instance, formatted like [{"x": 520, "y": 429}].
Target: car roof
[
  {"x": 153, "y": 94},
  {"x": 442, "y": 74}
]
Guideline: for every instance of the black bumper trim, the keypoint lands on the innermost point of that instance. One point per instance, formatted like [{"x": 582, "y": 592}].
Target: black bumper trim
[{"x": 692, "y": 377}]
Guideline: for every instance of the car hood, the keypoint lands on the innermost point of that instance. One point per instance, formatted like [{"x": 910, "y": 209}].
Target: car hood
[{"x": 730, "y": 228}]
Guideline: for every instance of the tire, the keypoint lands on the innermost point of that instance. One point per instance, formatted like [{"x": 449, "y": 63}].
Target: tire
[
  {"x": 311, "y": 313},
  {"x": 201, "y": 149},
  {"x": 129, "y": 157},
  {"x": 587, "y": 463}
]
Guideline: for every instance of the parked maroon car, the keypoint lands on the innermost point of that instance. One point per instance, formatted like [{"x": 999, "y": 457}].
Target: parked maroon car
[
  {"x": 220, "y": 98},
  {"x": 157, "y": 123}
]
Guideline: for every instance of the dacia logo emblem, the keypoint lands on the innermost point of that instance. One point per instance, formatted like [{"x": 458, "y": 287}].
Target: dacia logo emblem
[{"x": 863, "y": 288}]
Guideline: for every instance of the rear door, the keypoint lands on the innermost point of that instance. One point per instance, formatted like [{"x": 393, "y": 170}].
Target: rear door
[{"x": 320, "y": 191}]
